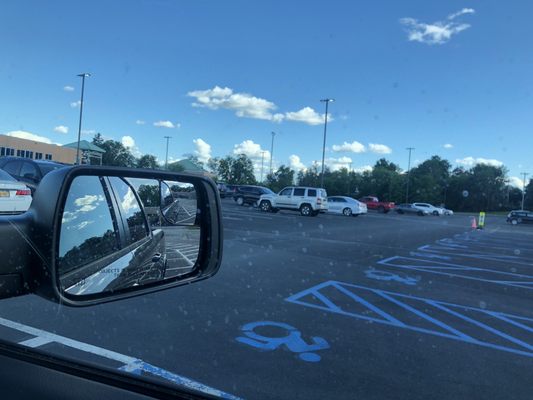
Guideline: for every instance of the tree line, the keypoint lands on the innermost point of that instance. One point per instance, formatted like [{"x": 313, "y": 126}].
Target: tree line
[{"x": 481, "y": 187}]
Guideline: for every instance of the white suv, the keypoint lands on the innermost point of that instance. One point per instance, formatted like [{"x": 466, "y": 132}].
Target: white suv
[{"x": 309, "y": 201}]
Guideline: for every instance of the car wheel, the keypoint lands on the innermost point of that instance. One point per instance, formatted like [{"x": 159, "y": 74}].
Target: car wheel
[
  {"x": 306, "y": 210},
  {"x": 240, "y": 201},
  {"x": 515, "y": 221},
  {"x": 381, "y": 209},
  {"x": 436, "y": 213},
  {"x": 265, "y": 206},
  {"x": 347, "y": 211}
]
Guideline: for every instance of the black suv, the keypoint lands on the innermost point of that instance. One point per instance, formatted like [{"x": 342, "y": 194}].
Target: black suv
[
  {"x": 27, "y": 170},
  {"x": 249, "y": 194},
  {"x": 520, "y": 217}
]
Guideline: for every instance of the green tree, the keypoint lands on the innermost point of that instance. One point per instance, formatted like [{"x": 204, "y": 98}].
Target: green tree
[
  {"x": 149, "y": 195},
  {"x": 282, "y": 177},
  {"x": 236, "y": 170},
  {"x": 528, "y": 200},
  {"x": 116, "y": 154},
  {"x": 429, "y": 181},
  {"x": 175, "y": 167},
  {"x": 98, "y": 140},
  {"x": 147, "y": 161}
]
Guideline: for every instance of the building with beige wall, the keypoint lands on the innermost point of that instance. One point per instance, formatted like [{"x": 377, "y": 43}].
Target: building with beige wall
[{"x": 13, "y": 146}]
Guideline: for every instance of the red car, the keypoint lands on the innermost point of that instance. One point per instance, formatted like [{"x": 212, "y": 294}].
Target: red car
[{"x": 373, "y": 203}]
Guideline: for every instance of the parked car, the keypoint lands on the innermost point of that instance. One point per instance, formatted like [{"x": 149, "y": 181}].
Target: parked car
[
  {"x": 247, "y": 194},
  {"x": 222, "y": 190},
  {"x": 346, "y": 206},
  {"x": 230, "y": 190},
  {"x": 430, "y": 208},
  {"x": 373, "y": 203},
  {"x": 446, "y": 211},
  {"x": 15, "y": 197},
  {"x": 28, "y": 171},
  {"x": 520, "y": 217},
  {"x": 407, "y": 208},
  {"x": 309, "y": 201}
]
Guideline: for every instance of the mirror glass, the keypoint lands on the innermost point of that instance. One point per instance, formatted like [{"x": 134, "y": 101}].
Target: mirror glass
[{"x": 118, "y": 233}]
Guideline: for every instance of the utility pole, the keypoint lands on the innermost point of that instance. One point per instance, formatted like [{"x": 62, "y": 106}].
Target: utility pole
[
  {"x": 327, "y": 101},
  {"x": 166, "y": 156},
  {"x": 262, "y": 162},
  {"x": 349, "y": 179},
  {"x": 524, "y": 174},
  {"x": 82, "y": 76},
  {"x": 408, "y": 174},
  {"x": 272, "y": 150}
]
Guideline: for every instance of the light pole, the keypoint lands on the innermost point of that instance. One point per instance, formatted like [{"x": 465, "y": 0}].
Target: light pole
[
  {"x": 408, "y": 174},
  {"x": 82, "y": 76},
  {"x": 262, "y": 162},
  {"x": 524, "y": 174},
  {"x": 327, "y": 101},
  {"x": 272, "y": 150},
  {"x": 166, "y": 155}
]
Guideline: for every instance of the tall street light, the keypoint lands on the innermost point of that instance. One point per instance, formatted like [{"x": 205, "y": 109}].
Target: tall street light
[
  {"x": 327, "y": 101},
  {"x": 262, "y": 162},
  {"x": 408, "y": 174},
  {"x": 166, "y": 155},
  {"x": 524, "y": 174},
  {"x": 82, "y": 76},
  {"x": 272, "y": 150}
]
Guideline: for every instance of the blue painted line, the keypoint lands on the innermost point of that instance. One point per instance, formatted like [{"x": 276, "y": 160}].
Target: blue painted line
[
  {"x": 428, "y": 318},
  {"x": 482, "y": 325},
  {"x": 454, "y": 334},
  {"x": 455, "y": 270},
  {"x": 370, "y": 306}
]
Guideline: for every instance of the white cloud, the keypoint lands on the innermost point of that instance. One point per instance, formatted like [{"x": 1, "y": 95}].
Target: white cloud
[
  {"x": 88, "y": 132},
  {"x": 438, "y": 32},
  {"x": 29, "y": 136},
  {"x": 203, "y": 150},
  {"x": 166, "y": 124},
  {"x": 448, "y": 146},
  {"x": 251, "y": 149},
  {"x": 461, "y": 12},
  {"x": 364, "y": 168},
  {"x": 68, "y": 88},
  {"x": 128, "y": 141},
  {"x": 354, "y": 147},
  {"x": 296, "y": 163},
  {"x": 244, "y": 104},
  {"x": 140, "y": 122},
  {"x": 471, "y": 161},
  {"x": 75, "y": 104},
  {"x": 248, "y": 106},
  {"x": 61, "y": 129},
  {"x": 308, "y": 116},
  {"x": 379, "y": 148},
  {"x": 516, "y": 182}
]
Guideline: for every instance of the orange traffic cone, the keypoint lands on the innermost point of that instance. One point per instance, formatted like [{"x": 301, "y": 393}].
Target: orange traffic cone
[{"x": 474, "y": 224}]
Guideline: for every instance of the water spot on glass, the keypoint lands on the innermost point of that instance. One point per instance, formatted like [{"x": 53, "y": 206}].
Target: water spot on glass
[
  {"x": 517, "y": 252},
  {"x": 482, "y": 304},
  {"x": 304, "y": 249}
]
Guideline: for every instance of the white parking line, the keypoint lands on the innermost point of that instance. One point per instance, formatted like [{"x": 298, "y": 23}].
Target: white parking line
[{"x": 131, "y": 364}]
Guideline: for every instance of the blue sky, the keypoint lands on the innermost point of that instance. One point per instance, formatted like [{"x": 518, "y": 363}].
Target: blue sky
[{"x": 410, "y": 73}]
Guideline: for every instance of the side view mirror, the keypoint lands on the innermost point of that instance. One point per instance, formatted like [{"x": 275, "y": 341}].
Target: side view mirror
[{"x": 95, "y": 234}]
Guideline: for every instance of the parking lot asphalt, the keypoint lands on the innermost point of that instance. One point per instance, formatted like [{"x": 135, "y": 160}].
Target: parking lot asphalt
[{"x": 381, "y": 306}]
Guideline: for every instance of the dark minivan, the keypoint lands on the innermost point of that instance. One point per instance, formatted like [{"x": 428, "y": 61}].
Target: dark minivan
[
  {"x": 27, "y": 170},
  {"x": 247, "y": 194}
]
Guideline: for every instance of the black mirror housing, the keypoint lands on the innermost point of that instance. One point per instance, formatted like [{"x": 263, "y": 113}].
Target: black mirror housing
[{"x": 30, "y": 241}]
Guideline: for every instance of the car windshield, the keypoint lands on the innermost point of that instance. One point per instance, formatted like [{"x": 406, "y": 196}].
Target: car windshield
[{"x": 423, "y": 110}]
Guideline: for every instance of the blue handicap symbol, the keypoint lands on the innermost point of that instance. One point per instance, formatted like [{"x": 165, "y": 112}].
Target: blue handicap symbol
[
  {"x": 389, "y": 276},
  {"x": 292, "y": 341}
]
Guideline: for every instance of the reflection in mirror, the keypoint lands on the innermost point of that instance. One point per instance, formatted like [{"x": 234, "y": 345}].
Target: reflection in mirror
[
  {"x": 178, "y": 203},
  {"x": 118, "y": 233}
]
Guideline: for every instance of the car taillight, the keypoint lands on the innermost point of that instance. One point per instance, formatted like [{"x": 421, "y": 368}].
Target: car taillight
[{"x": 24, "y": 192}]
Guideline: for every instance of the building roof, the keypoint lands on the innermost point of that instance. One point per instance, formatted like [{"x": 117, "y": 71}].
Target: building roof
[{"x": 84, "y": 146}]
